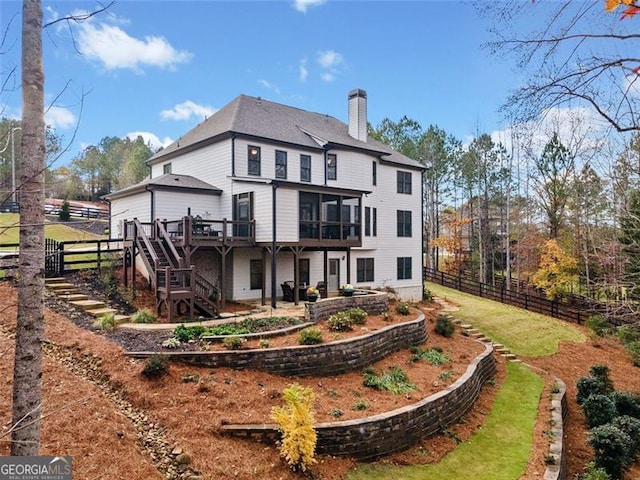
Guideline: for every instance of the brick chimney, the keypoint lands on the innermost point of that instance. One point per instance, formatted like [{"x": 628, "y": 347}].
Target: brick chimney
[{"x": 358, "y": 114}]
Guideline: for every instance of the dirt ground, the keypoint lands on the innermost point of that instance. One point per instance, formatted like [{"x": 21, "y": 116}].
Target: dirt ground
[{"x": 98, "y": 408}]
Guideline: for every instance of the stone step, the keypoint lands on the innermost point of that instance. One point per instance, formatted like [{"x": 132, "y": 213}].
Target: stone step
[
  {"x": 121, "y": 318},
  {"x": 485, "y": 339},
  {"x": 98, "y": 312},
  {"x": 477, "y": 335},
  {"x": 53, "y": 280},
  {"x": 471, "y": 331},
  {"x": 73, "y": 297},
  {"x": 60, "y": 286},
  {"x": 502, "y": 351},
  {"x": 498, "y": 345},
  {"x": 65, "y": 291},
  {"x": 88, "y": 304},
  {"x": 514, "y": 360},
  {"x": 509, "y": 356},
  {"x": 466, "y": 326},
  {"x": 456, "y": 321}
]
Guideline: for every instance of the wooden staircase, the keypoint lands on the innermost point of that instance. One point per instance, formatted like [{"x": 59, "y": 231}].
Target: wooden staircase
[{"x": 176, "y": 284}]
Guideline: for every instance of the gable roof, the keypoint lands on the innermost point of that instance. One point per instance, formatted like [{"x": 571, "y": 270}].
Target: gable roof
[
  {"x": 256, "y": 117},
  {"x": 168, "y": 181}
]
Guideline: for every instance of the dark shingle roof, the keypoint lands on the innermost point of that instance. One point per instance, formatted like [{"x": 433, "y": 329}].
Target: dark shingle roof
[
  {"x": 261, "y": 118},
  {"x": 167, "y": 181}
]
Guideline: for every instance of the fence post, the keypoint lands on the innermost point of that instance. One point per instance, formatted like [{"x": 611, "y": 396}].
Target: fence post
[
  {"x": 99, "y": 269},
  {"x": 526, "y": 301},
  {"x": 61, "y": 258}
]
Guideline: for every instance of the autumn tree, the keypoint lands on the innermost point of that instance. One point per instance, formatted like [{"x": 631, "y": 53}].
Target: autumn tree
[
  {"x": 450, "y": 243},
  {"x": 558, "y": 271}
]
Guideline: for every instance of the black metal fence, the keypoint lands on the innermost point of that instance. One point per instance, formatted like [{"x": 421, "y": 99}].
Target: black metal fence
[{"x": 64, "y": 257}]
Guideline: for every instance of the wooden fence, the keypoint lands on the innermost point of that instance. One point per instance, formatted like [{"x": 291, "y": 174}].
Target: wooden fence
[{"x": 64, "y": 257}]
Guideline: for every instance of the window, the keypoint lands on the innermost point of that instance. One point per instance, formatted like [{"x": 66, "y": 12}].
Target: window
[
  {"x": 374, "y": 172},
  {"x": 281, "y": 164},
  {"x": 332, "y": 166},
  {"x": 404, "y": 182},
  {"x": 303, "y": 271},
  {"x": 253, "y": 160},
  {"x": 404, "y": 268},
  {"x": 374, "y": 222},
  {"x": 367, "y": 221},
  {"x": 166, "y": 168},
  {"x": 242, "y": 214},
  {"x": 404, "y": 223},
  {"x": 255, "y": 272},
  {"x": 305, "y": 168},
  {"x": 364, "y": 268}
]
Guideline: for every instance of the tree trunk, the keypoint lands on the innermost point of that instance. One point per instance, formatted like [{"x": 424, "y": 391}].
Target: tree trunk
[{"x": 27, "y": 374}]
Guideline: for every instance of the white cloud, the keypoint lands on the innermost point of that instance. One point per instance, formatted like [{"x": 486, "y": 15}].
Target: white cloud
[
  {"x": 151, "y": 139},
  {"x": 303, "y": 73},
  {"x": 303, "y": 5},
  {"x": 328, "y": 77},
  {"x": 186, "y": 110},
  {"x": 115, "y": 49},
  {"x": 329, "y": 59},
  {"x": 59, "y": 117},
  {"x": 269, "y": 86}
]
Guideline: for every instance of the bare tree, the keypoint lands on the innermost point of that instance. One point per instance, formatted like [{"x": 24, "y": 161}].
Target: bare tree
[
  {"x": 27, "y": 374},
  {"x": 579, "y": 54}
]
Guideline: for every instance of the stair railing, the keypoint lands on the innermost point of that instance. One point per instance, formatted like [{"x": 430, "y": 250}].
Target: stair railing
[
  {"x": 167, "y": 245},
  {"x": 143, "y": 239},
  {"x": 207, "y": 292}
]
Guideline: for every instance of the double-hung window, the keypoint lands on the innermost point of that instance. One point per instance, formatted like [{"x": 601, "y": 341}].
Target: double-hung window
[
  {"x": 404, "y": 223},
  {"x": 305, "y": 168},
  {"x": 332, "y": 166},
  {"x": 364, "y": 270},
  {"x": 404, "y": 182},
  {"x": 281, "y": 164},
  {"x": 253, "y": 160},
  {"x": 404, "y": 268}
]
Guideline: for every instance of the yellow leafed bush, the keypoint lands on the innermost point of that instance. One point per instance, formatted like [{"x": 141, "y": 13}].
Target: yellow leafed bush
[{"x": 295, "y": 421}]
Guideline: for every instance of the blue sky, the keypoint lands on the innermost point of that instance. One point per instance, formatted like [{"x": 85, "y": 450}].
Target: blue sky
[{"x": 160, "y": 67}]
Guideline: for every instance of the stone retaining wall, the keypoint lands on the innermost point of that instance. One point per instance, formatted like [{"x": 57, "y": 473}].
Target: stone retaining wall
[
  {"x": 559, "y": 409},
  {"x": 373, "y": 303},
  {"x": 338, "y": 357},
  {"x": 394, "y": 431}
]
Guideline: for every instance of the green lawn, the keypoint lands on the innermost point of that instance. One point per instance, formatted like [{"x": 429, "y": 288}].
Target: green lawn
[
  {"x": 498, "y": 451},
  {"x": 9, "y": 230},
  {"x": 525, "y": 333}
]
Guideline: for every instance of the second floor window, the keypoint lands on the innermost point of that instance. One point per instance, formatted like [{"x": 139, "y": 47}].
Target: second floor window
[
  {"x": 253, "y": 160},
  {"x": 332, "y": 166},
  {"x": 404, "y": 223},
  {"x": 281, "y": 164},
  {"x": 305, "y": 168},
  {"x": 404, "y": 182},
  {"x": 374, "y": 173},
  {"x": 166, "y": 168}
]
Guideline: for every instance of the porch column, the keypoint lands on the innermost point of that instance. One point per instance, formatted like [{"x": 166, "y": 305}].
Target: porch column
[{"x": 348, "y": 265}]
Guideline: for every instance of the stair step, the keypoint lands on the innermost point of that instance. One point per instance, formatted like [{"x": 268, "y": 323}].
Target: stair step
[
  {"x": 514, "y": 360},
  {"x": 498, "y": 345},
  {"x": 502, "y": 350},
  {"x": 472, "y": 331},
  {"x": 60, "y": 286},
  {"x": 509, "y": 356},
  {"x": 477, "y": 335},
  {"x": 485, "y": 339},
  {"x": 122, "y": 318},
  {"x": 456, "y": 321},
  {"x": 52, "y": 280},
  {"x": 466, "y": 326},
  {"x": 88, "y": 304},
  {"x": 98, "y": 312},
  {"x": 61, "y": 292},
  {"x": 73, "y": 297}
]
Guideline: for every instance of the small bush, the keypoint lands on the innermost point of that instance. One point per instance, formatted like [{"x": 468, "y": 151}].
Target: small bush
[
  {"x": 184, "y": 333},
  {"x": 591, "y": 472},
  {"x": 598, "y": 409},
  {"x": 627, "y": 334},
  {"x": 335, "y": 412},
  {"x": 144, "y": 316},
  {"x": 588, "y": 386},
  {"x": 601, "y": 372},
  {"x": 358, "y": 316},
  {"x": 402, "y": 308},
  {"x": 361, "y": 405},
  {"x": 171, "y": 342},
  {"x": 190, "y": 378},
  {"x": 234, "y": 343},
  {"x": 264, "y": 343},
  {"x": 64, "y": 215},
  {"x": 444, "y": 326},
  {"x": 633, "y": 349},
  {"x": 630, "y": 426},
  {"x": 295, "y": 422},
  {"x": 396, "y": 381},
  {"x": 427, "y": 295},
  {"x": 156, "y": 366},
  {"x": 106, "y": 322},
  {"x": 612, "y": 449},
  {"x": 310, "y": 336},
  {"x": 627, "y": 403},
  {"x": 433, "y": 356},
  {"x": 340, "y": 322},
  {"x": 598, "y": 325}
]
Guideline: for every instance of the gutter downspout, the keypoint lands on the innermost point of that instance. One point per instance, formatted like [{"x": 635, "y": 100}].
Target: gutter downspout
[
  {"x": 233, "y": 155},
  {"x": 274, "y": 262},
  {"x": 153, "y": 204}
]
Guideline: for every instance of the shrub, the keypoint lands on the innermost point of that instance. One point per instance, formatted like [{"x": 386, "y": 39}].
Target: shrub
[
  {"x": 106, "y": 322},
  {"x": 402, "y": 308},
  {"x": 264, "y": 343},
  {"x": 427, "y": 296},
  {"x": 444, "y": 326},
  {"x": 361, "y": 405},
  {"x": 295, "y": 422},
  {"x": 144, "y": 316},
  {"x": 396, "y": 381},
  {"x": 627, "y": 403},
  {"x": 630, "y": 426},
  {"x": 340, "y": 322},
  {"x": 155, "y": 366},
  {"x": 612, "y": 449},
  {"x": 627, "y": 334},
  {"x": 433, "y": 356},
  {"x": 598, "y": 325},
  {"x": 591, "y": 472},
  {"x": 588, "y": 386},
  {"x": 598, "y": 409},
  {"x": 171, "y": 342},
  {"x": 65, "y": 214},
  {"x": 184, "y": 333},
  {"x": 358, "y": 316},
  {"x": 601, "y": 372},
  {"x": 633, "y": 349},
  {"x": 310, "y": 336},
  {"x": 234, "y": 343},
  {"x": 335, "y": 412}
]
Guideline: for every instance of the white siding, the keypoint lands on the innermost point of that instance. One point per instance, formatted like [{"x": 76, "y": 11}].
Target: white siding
[
  {"x": 127, "y": 208},
  {"x": 174, "y": 205},
  {"x": 287, "y": 215}
]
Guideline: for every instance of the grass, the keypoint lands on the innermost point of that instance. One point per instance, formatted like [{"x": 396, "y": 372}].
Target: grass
[
  {"x": 498, "y": 451},
  {"x": 525, "y": 333},
  {"x": 9, "y": 230}
]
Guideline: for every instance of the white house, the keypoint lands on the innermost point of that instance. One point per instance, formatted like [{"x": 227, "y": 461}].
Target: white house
[{"x": 260, "y": 194}]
